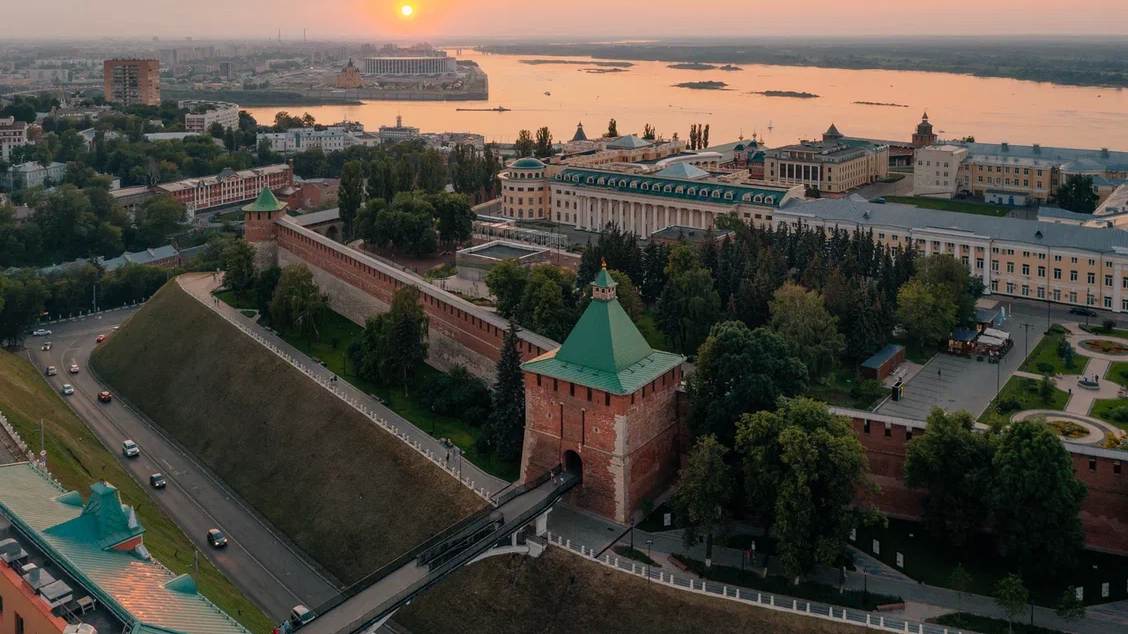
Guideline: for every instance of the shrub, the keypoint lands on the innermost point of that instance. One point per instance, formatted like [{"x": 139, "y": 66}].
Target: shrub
[
  {"x": 1008, "y": 405},
  {"x": 868, "y": 390},
  {"x": 1044, "y": 367},
  {"x": 1056, "y": 329},
  {"x": 1119, "y": 414},
  {"x": 1108, "y": 325},
  {"x": 458, "y": 394}
]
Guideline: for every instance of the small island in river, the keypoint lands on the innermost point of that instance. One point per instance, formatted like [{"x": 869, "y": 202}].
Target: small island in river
[
  {"x": 730, "y": 67},
  {"x": 881, "y": 103},
  {"x": 692, "y": 66},
  {"x": 794, "y": 94},
  {"x": 702, "y": 85},
  {"x": 601, "y": 71},
  {"x": 539, "y": 62}
]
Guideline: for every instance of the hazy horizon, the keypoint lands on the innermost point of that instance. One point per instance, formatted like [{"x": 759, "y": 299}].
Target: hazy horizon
[{"x": 576, "y": 19}]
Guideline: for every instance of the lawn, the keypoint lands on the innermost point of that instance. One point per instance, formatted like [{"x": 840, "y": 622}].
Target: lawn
[
  {"x": 1020, "y": 394},
  {"x": 560, "y": 592},
  {"x": 822, "y": 593},
  {"x": 343, "y": 489},
  {"x": 1099, "y": 330},
  {"x": 932, "y": 563},
  {"x": 77, "y": 459},
  {"x": 336, "y": 335},
  {"x": 1103, "y": 407},
  {"x": 1118, "y": 372},
  {"x": 1045, "y": 357},
  {"x": 234, "y": 301},
  {"x": 961, "y": 206},
  {"x": 985, "y": 625}
]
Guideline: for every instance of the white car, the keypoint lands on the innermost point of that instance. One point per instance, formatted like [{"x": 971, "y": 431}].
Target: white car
[
  {"x": 40, "y": 332},
  {"x": 68, "y": 389},
  {"x": 51, "y": 370},
  {"x": 73, "y": 369},
  {"x": 129, "y": 449}
]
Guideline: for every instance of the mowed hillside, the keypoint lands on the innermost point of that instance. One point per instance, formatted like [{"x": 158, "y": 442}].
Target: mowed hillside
[
  {"x": 563, "y": 593},
  {"x": 344, "y": 490}
]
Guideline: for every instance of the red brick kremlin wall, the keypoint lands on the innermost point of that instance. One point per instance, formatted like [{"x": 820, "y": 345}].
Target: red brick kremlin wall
[
  {"x": 1104, "y": 512},
  {"x": 460, "y": 332},
  {"x": 476, "y": 335}
]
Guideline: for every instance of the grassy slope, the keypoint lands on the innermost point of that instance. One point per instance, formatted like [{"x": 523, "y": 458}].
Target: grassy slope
[
  {"x": 348, "y": 493},
  {"x": 560, "y": 592},
  {"x": 77, "y": 459}
]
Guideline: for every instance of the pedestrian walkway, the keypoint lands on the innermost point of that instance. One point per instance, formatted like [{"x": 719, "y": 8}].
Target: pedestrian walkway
[{"x": 201, "y": 285}]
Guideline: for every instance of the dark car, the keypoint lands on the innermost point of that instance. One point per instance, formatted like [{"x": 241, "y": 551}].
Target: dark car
[
  {"x": 157, "y": 481},
  {"x": 104, "y": 397},
  {"x": 216, "y": 538},
  {"x": 1084, "y": 312}
]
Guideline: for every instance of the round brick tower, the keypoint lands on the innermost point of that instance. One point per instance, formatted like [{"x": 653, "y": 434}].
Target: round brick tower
[{"x": 259, "y": 227}]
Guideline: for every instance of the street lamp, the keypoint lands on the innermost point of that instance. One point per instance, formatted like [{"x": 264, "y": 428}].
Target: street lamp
[
  {"x": 1026, "y": 341},
  {"x": 649, "y": 543}
]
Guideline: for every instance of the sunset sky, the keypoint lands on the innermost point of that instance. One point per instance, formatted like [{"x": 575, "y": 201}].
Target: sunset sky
[{"x": 433, "y": 19}]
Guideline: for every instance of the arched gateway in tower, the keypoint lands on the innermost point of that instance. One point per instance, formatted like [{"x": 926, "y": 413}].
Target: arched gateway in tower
[{"x": 604, "y": 403}]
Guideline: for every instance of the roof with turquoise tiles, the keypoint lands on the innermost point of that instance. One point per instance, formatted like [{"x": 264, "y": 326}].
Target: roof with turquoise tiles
[
  {"x": 605, "y": 350},
  {"x": 80, "y": 538},
  {"x": 702, "y": 190}
]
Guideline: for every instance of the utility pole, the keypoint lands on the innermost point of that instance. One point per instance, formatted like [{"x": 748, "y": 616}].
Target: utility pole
[{"x": 1026, "y": 341}]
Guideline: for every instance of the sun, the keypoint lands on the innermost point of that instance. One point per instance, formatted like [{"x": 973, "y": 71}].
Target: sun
[{"x": 407, "y": 10}]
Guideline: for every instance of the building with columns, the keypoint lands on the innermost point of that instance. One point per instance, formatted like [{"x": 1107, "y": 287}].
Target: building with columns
[
  {"x": 604, "y": 405},
  {"x": 834, "y": 165},
  {"x": 642, "y": 203}
]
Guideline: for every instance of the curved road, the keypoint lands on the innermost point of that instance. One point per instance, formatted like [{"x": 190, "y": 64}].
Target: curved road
[{"x": 269, "y": 570}]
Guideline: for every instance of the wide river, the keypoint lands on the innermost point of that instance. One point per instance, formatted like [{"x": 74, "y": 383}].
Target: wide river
[{"x": 560, "y": 95}]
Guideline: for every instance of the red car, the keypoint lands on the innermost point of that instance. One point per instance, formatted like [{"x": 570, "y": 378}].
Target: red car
[
  {"x": 100, "y": 339},
  {"x": 104, "y": 397}
]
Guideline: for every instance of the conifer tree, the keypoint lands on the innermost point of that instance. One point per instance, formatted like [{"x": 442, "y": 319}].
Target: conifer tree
[{"x": 507, "y": 421}]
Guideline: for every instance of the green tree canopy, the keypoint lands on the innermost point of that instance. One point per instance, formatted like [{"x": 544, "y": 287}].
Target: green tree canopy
[
  {"x": 740, "y": 370},
  {"x": 689, "y": 304},
  {"x": 238, "y": 263},
  {"x": 298, "y": 304},
  {"x": 800, "y": 317},
  {"x": 350, "y": 195},
  {"x": 1036, "y": 499},
  {"x": 543, "y": 145},
  {"x": 1076, "y": 194},
  {"x": 926, "y": 312},
  {"x": 701, "y": 495},
  {"x": 505, "y": 431},
  {"x": 802, "y": 468},
  {"x": 952, "y": 462},
  {"x": 1012, "y": 597},
  {"x": 524, "y": 145}
]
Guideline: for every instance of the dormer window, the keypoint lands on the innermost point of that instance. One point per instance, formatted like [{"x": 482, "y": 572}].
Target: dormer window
[
  {"x": 692, "y": 191},
  {"x": 668, "y": 188},
  {"x": 681, "y": 190},
  {"x": 746, "y": 198},
  {"x": 728, "y": 196}
]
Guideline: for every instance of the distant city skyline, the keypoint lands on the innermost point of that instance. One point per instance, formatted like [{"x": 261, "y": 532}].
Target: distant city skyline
[{"x": 576, "y": 19}]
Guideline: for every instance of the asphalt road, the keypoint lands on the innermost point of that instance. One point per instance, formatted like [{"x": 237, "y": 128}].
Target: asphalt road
[{"x": 271, "y": 572}]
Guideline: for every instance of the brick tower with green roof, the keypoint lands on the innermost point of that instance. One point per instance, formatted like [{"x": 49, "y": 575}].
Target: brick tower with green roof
[
  {"x": 604, "y": 405},
  {"x": 259, "y": 228}
]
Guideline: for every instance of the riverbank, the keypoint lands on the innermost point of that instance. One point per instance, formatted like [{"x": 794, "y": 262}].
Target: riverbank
[{"x": 1066, "y": 61}]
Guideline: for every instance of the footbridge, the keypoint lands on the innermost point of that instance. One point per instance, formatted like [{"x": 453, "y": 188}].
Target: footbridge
[{"x": 498, "y": 529}]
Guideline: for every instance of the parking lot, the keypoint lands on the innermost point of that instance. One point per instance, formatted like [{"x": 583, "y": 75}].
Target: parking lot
[{"x": 957, "y": 383}]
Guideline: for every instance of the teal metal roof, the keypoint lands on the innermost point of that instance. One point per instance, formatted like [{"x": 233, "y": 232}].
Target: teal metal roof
[
  {"x": 678, "y": 188},
  {"x": 527, "y": 163},
  {"x": 605, "y": 350},
  {"x": 683, "y": 170},
  {"x": 266, "y": 201},
  {"x": 140, "y": 591}
]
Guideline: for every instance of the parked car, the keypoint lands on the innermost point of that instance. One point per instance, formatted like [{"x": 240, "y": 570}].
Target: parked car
[
  {"x": 52, "y": 370},
  {"x": 73, "y": 369},
  {"x": 129, "y": 449},
  {"x": 1084, "y": 312},
  {"x": 40, "y": 332},
  {"x": 301, "y": 615},
  {"x": 100, "y": 339},
  {"x": 157, "y": 481},
  {"x": 104, "y": 397},
  {"x": 216, "y": 538},
  {"x": 68, "y": 389}
]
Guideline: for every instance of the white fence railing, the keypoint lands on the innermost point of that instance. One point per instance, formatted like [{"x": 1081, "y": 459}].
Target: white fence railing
[
  {"x": 467, "y": 478},
  {"x": 771, "y": 601},
  {"x": 39, "y": 460}
]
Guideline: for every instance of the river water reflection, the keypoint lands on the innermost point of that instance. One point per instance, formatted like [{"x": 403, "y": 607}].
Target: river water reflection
[{"x": 559, "y": 96}]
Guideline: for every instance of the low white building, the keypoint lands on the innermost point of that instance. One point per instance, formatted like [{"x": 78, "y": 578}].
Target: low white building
[
  {"x": 300, "y": 139},
  {"x": 935, "y": 171},
  {"x": 12, "y": 133},
  {"x": 204, "y": 114},
  {"x": 32, "y": 174}
]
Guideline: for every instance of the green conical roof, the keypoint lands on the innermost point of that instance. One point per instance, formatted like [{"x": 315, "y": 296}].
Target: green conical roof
[
  {"x": 605, "y": 350},
  {"x": 266, "y": 201}
]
